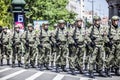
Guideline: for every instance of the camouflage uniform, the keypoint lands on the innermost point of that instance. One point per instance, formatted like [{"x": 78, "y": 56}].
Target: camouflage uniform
[
  {"x": 72, "y": 51},
  {"x": 61, "y": 41},
  {"x": 44, "y": 48},
  {"x": 98, "y": 56},
  {"x": 6, "y": 50},
  {"x": 29, "y": 39},
  {"x": 114, "y": 36},
  {"x": 16, "y": 46}
]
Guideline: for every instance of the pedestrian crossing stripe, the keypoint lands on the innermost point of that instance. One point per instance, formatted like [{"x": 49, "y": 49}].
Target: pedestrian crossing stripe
[
  {"x": 12, "y": 75},
  {"x": 58, "y": 77},
  {"x": 37, "y": 74},
  {"x": 34, "y": 76},
  {"x": 4, "y": 69}
]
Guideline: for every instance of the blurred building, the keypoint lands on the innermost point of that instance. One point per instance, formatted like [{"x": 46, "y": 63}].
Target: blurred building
[
  {"x": 114, "y": 7},
  {"x": 88, "y": 15},
  {"x": 76, "y": 6}
]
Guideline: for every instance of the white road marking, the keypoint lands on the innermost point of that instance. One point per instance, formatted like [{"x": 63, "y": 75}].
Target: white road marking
[
  {"x": 82, "y": 78},
  {"x": 12, "y": 75},
  {"x": 58, "y": 77},
  {"x": 34, "y": 76},
  {"x": 4, "y": 69}
]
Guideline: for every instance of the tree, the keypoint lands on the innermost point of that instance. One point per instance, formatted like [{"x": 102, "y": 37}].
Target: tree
[
  {"x": 51, "y": 10},
  {"x": 5, "y": 17}
]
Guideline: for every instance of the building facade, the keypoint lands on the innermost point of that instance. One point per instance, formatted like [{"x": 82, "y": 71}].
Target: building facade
[
  {"x": 114, "y": 7},
  {"x": 76, "y": 6}
]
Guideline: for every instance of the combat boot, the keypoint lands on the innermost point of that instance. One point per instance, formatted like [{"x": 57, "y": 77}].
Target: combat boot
[
  {"x": 117, "y": 71},
  {"x": 108, "y": 72},
  {"x": 64, "y": 68},
  {"x": 19, "y": 63},
  {"x": 73, "y": 71},
  {"x": 57, "y": 69},
  {"x": 8, "y": 62},
  {"x": 13, "y": 64},
  {"x": 41, "y": 66},
  {"x": 48, "y": 67},
  {"x": 102, "y": 73},
  {"x": 26, "y": 66},
  {"x": 1, "y": 62},
  {"x": 91, "y": 74}
]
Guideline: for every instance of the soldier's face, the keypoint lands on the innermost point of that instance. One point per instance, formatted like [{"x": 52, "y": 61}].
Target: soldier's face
[
  {"x": 79, "y": 23},
  {"x": 62, "y": 25},
  {"x": 17, "y": 29},
  {"x": 46, "y": 26},
  {"x": 115, "y": 22},
  {"x": 97, "y": 22},
  {"x": 30, "y": 28},
  {"x": 5, "y": 30}
]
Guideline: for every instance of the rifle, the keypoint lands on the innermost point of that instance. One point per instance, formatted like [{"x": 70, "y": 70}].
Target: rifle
[
  {"x": 40, "y": 37},
  {"x": 57, "y": 36},
  {"x": 27, "y": 40},
  {"x": 74, "y": 35},
  {"x": 109, "y": 36},
  {"x": 92, "y": 37}
]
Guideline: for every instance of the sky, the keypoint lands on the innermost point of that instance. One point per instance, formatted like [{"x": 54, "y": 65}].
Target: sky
[{"x": 100, "y": 6}]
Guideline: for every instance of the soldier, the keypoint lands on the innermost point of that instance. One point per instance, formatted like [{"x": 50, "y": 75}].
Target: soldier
[
  {"x": 114, "y": 44},
  {"x": 80, "y": 44},
  {"x": 16, "y": 46},
  {"x": 72, "y": 50},
  {"x": 5, "y": 48},
  {"x": 97, "y": 57},
  {"x": 29, "y": 39},
  {"x": 44, "y": 47},
  {"x": 61, "y": 42}
]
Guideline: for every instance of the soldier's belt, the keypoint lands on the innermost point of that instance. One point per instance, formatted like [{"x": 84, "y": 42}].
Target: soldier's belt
[
  {"x": 99, "y": 43},
  {"x": 117, "y": 41},
  {"x": 31, "y": 42},
  {"x": 80, "y": 43},
  {"x": 62, "y": 42},
  {"x": 5, "y": 43},
  {"x": 46, "y": 42},
  {"x": 18, "y": 43}
]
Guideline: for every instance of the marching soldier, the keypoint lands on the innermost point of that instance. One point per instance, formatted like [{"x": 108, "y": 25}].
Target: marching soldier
[
  {"x": 29, "y": 39},
  {"x": 72, "y": 50},
  {"x": 44, "y": 47},
  {"x": 97, "y": 57},
  {"x": 114, "y": 37},
  {"x": 5, "y": 48},
  {"x": 80, "y": 44},
  {"x": 61, "y": 42},
  {"x": 16, "y": 46}
]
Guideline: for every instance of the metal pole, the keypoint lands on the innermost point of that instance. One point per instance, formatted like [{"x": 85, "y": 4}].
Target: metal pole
[{"x": 92, "y": 10}]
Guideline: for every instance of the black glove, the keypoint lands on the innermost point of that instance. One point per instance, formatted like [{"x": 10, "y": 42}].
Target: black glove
[
  {"x": 92, "y": 44},
  {"x": 110, "y": 43},
  {"x": 40, "y": 46},
  {"x": 27, "y": 44},
  {"x": 93, "y": 38}
]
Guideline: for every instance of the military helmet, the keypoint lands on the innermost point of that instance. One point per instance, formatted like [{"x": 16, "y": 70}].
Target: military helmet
[
  {"x": 5, "y": 27},
  {"x": 61, "y": 21},
  {"x": 79, "y": 19},
  {"x": 115, "y": 18},
  {"x": 29, "y": 25},
  {"x": 17, "y": 26},
  {"x": 55, "y": 24},
  {"x": 96, "y": 18}
]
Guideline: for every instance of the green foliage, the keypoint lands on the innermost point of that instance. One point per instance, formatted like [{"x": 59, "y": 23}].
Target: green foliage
[
  {"x": 51, "y": 10},
  {"x": 5, "y": 17}
]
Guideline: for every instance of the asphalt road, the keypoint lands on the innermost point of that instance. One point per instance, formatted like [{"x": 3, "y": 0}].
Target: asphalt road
[{"x": 9, "y": 73}]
